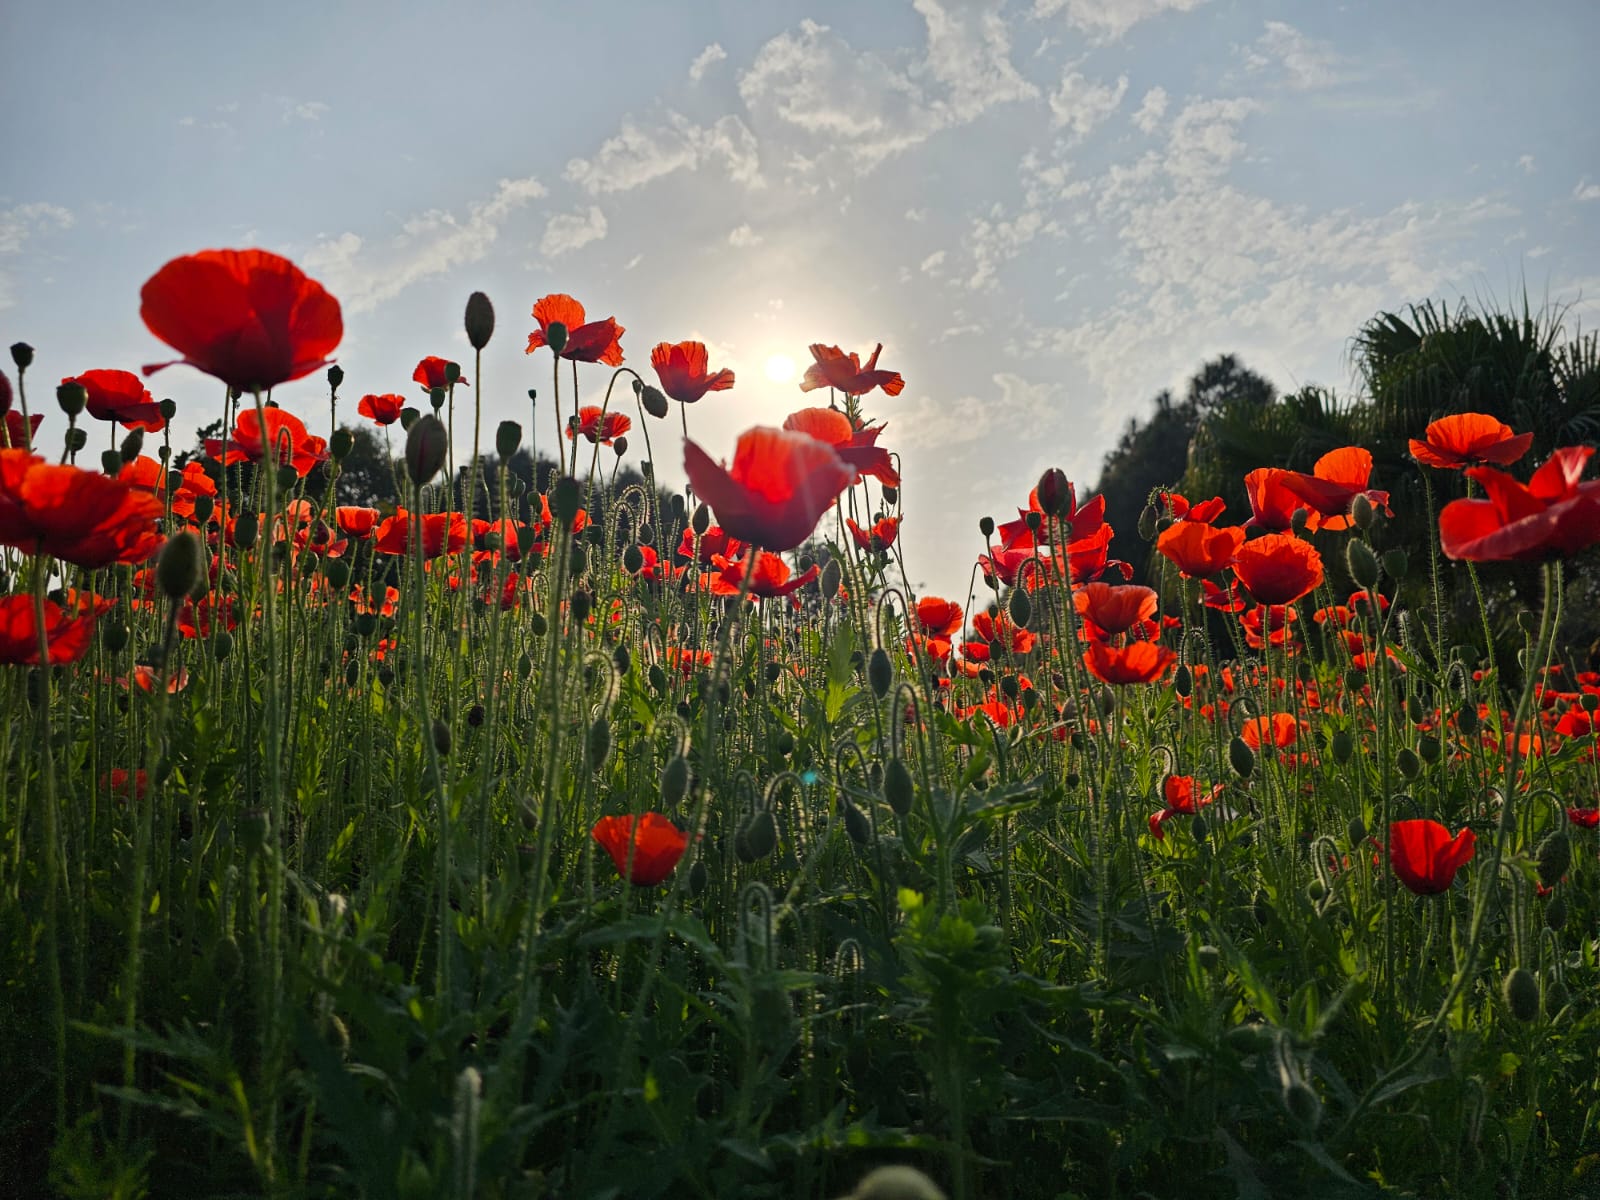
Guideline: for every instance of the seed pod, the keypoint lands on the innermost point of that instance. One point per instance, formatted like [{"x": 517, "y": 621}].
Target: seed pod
[
  {"x": 427, "y": 444},
  {"x": 441, "y": 737},
  {"x": 1020, "y": 607},
  {"x": 856, "y": 824},
  {"x": 479, "y": 321},
  {"x": 1521, "y": 991},
  {"x": 1554, "y": 856},
  {"x": 986, "y": 526},
  {"x": 1362, "y": 563},
  {"x": 598, "y": 744},
  {"x": 72, "y": 397},
  {"x": 756, "y": 837},
  {"x": 77, "y": 438},
  {"x": 898, "y": 788},
  {"x": 880, "y": 673},
  {"x": 22, "y": 355},
  {"x": 1241, "y": 757},
  {"x": 340, "y": 445}
]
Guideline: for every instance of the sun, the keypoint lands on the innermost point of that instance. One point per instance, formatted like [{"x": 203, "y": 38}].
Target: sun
[{"x": 780, "y": 368}]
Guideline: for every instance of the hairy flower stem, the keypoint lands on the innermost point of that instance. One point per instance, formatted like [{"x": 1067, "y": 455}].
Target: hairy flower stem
[{"x": 52, "y": 849}]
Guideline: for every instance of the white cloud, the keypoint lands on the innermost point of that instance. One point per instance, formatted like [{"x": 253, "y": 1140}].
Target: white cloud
[
  {"x": 567, "y": 232},
  {"x": 1527, "y": 164},
  {"x": 310, "y": 110},
  {"x": 743, "y": 236},
  {"x": 363, "y": 276},
  {"x": 19, "y": 225},
  {"x": 969, "y": 52},
  {"x": 1151, "y": 109},
  {"x": 638, "y": 155},
  {"x": 1586, "y": 190},
  {"x": 994, "y": 241},
  {"x": 1305, "y": 63},
  {"x": 1081, "y": 105},
  {"x": 1203, "y": 141},
  {"x": 1108, "y": 20},
  {"x": 705, "y": 60},
  {"x": 932, "y": 263}
]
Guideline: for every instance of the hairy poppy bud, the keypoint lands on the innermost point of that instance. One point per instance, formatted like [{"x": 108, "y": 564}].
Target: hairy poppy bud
[
  {"x": 891, "y": 495},
  {"x": 856, "y": 824},
  {"x": 245, "y": 529},
  {"x": 1363, "y": 564},
  {"x": 337, "y": 572},
  {"x": 340, "y": 445},
  {"x": 72, "y": 396},
  {"x": 1183, "y": 680},
  {"x": 701, "y": 521},
  {"x": 114, "y": 635},
  {"x": 507, "y": 437},
  {"x": 598, "y": 743},
  {"x": 1467, "y": 719},
  {"x": 335, "y": 377},
  {"x": 1589, "y": 702},
  {"x": 1356, "y": 831},
  {"x": 1395, "y": 563},
  {"x": 654, "y": 402},
  {"x": 22, "y": 355},
  {"x": 1521, "y": 991},
  {"x": 1555, "y": 913},
  {"x": 1299, "y": 520},
  {"x": 633, "y": 560},
  {"x": 674, "y": 781},
  {"x": 1554, "y": 856},
  {"x": 832, "y": 575},
  {"x": 880, "y": 673},
  {"x": 620, "y": 446},
  {"x": 479, "y": 321},
  {"x": 1241, "y": 757},
  {"x": 580, "y": 599},
  {"x": 555, "y": 336},
  {"x": 181, "y": 565},
  {"x": 427, "y": 444},
  {"x": 1147, "y": 522},
  {"x": 1407, "y": 762},
  {"x": 1556, "y": 997},
  {"x": 287, "y": 477},
  {"x": 1361, "y": 512},
  {"x": 441, "y": 737},
  {"x": 1019, "y": 607},
  {"x": 221, "y": 645},
  {"x": 898, "y": 789},
  {"x": 756, "y": 837},
  {"x": 1429, "y": 750},
  {"x": 1199, "y": 827}
]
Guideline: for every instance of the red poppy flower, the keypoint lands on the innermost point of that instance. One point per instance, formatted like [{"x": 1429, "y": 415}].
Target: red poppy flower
[
  {"x": 357, "y": 522},
  {"x": 769, "y": 580},
  {"x": 19, "y": 433},
  {"x": 645, "y": 851},
  {"x": 384, "y": 409},
  {"x": 596, "y": 341},
  {"x": 1276, "y": 730},
  {"x": 1263, "y": 624},
  {"x": 999, "y": 628},
  {"x": 1464, "y": 439},
  {"x": 384, "y": 607},
  {"x": 1081, "y": 522},
  {"x": 5, "y": 393},
  {"x": 442, "y": 533},
  {"x": 1425, "y": 857},
  {"x": 1114, "y": 608},
  {"x": 682, "y": 369},
  {"x": 1198, "y": 549},
  {"x": 857, "y": 445},
  {"x": 843, "y": 372},
  {"x": 779, "y": 486},
  {"x": 120, "y": 396},
  {"x": 1553, "y": 515},
  {"x": 1137, "y": 662},
  {"x": 712, "y": 542},
  {"x": 81, "y": 517},
  {"x": 1336, "y": 479},
  {"x": 125, "y": 784},
  {"x": 939, "y": 618},
  {"x": 1272, "y": 505},
  {"x": 1182, "y": 800},
  {"x": 285, "y": 433},
  {"x": 430, "y": 374},
  {"x": 252, "y": 319},
  {"x": 879, "y": 537},
  {"x": 1230, "y": 599},
  {"x": 1278, "y": 568},
  {"x": 686, "y": 660},
  {"x": 1584, "y": 818},
  {"x": 68, "y": 629},
  {"x": 598, "y": 425},
  {"x": 1180, "y": 509}
]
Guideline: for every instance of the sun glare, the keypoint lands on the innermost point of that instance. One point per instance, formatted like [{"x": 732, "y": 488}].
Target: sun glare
[{"x": 780, "y": 368}]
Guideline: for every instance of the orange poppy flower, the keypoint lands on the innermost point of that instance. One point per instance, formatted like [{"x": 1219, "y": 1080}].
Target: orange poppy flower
[
  {"x": 683, "y": 371},
  {"x": 779, "y": 486},
  {"x": 999, "y": 628},
  {"x": 1425, "y": 857},
  {"x": 384, "y": 409},
  {"x": 1111, "y": 609},
  {"x": 1137, "y": 662},
  {"x": 68, "y": 629},
  {"x": 1553, "y": 515},
  {"x": 939, "y": 618},
  {"x": 1275, "y": 729},
  {"x": 1198, "y": 549},
  {"x": 646, "y": 851},
  {"x": 1336, "y": 479},
  {"x": 857, "y": 445},
  {"x": 1278, "y": 568},
  {"x": 120, "y": 396},
  {"x": 1464, "y": 439},
  {"x": 430, "y": 374},
  {"x": 442, "y": 533},
  {"x": 81, "y": 517},
  {"x": 879, "y": 537},
  {"x": 599, "y": 426},
  {"x": 594, "y": 341},
  {"x": 357, "y": 522},
  {"x": 843, "y": 372},
  {"x": 252, "y": 319},
  {"x": 712, "y": 542},
  {"x": 1182, "y": 799},
  {"x": 284, "y": 432}
]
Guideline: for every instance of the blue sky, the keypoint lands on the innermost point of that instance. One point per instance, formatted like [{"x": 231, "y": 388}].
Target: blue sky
[{"x": 1047, "y": 210}]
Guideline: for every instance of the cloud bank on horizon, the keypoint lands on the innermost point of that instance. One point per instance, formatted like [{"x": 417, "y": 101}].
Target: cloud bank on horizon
[{"x": 1047, "y": 211}]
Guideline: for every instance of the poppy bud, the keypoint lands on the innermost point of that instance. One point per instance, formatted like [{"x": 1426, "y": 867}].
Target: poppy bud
[
  {"x": 1298, "y": 520},
  {"x": 898, "y": 789},
  {"x": 657, "y": 678},
  {"x": 1361, "y": 513},
  {"x": 633, "y": 560},
  {"x": 880, "y": 673},
  {"x": 580, "y": 563},
  {"x": 986, "y": 526},
  {"x": 1199, "y": 828},
  {"x": 110, "y": 462},
  {"x": 1429, "y": 750},
  {"x": 180, "y": 567},
  {"x": 1356, "y": 831},
  {"x": 1054, "y": 493},
  {"x": 77, "y": 439},
  {"x": 856, "y": 824},
  {"x": 555, "y": 336},
  {"x": 1555, "y": 913},
  {"x": 580, "y": 599},
  {"x": 756, "y": 837},
  {"x": 436, "y": 397},
  {"x": 698, "y": 878},
  {"x": 408, "y": 417},
  {"x": 1555, "y": 997},
  {"x": 1147, "y": 522},
  {"x": 168, "y": 408},
  {"x": 22, "y": 355},
  {"x": 1183, "y": 680},
  {"x": 1521, "y": 991},
  {"x": 654, "y": 402},
  {"x": 674, "y": 781},
  {"x": 1241, "y": 757},
  {"x": 598, "y": 743},
  {"x": 620, "y": 446},
  {"x": 1554, "y": 856},
  {"x": 537, "y": 625},
  {"x": 340, "y": 445},
  {"x": 479, "y": 320},
  {"x": 507, "y": 437},
  {"x": 337, "y": 572},
  {"x": 287, "y": 476},
  {"x": 1363, "y": 564},
  {"x": 114, "y": 635},
  {"x": 1467, "y": 719},
  {"x": 1009, "y": 686},
  {"x": 441, "y": 737},
  {"x": 452, "y": 373},
  {"x": 1020, "y": 608},
  {"x": 1407, "y": 762},
  {"x": 221, "y": 645},
  {"x": 427, "y": 444},
  {"x": 832, "y": 574},
  {"x": 1395, "y": 563},
  {"x": 245, "y": 530},
  {"x": 72, "y": 397}
]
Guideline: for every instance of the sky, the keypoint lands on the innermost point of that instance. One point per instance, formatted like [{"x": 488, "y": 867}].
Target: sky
[{"x": 1045, "y": 210}]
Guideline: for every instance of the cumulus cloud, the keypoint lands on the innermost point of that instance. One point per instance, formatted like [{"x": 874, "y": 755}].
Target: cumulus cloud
[
  {"x": 567, "y": 232},
  {"x": 995, "y": 240},
  {"x": 1586, "y": 190},
  {"x": 640, "y": 154},
  {"x": 1108, "y": 20},
  {"x": 705, "y": 60},
  {"x": 1081, "y": 105},
  {"x": 743, "y": 236},
  {"x": 1304, "y": 63},
  {"x": 20, "y": 225},
  {"x": 1204, "y": 138},
  {"x": 1151, "y": 109},
  {"x": 364, "y": 274}
]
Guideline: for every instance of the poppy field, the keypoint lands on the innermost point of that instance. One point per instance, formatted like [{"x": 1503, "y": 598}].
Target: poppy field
[{"x": 516, "y": 826}]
